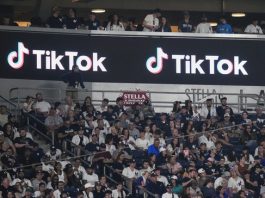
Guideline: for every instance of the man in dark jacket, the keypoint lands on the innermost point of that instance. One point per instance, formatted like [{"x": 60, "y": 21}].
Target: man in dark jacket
[{"x": 74, "y": 80}]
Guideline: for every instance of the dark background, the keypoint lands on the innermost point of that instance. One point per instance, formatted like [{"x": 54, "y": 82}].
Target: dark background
[{"x": 126, "y": 57}]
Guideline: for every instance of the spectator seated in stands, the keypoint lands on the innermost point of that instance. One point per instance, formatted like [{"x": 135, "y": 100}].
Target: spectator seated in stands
[
  {"x": 204, "y": 26},
  {"x": 92, "y": 23},
  {"x": 53, "y": 122},
  {"x": 115, "y": 24},
  {"x": 151, "y": 21},
  {"x": 254, "y": 28},
  {"x": 164, "y": 26},
  {"x": 55, "y": 20},
  {"x": 79, "y": 141},
  {"x": 224, "y": 27}
]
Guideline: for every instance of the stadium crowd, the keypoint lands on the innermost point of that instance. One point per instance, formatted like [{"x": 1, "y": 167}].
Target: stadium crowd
[
  {"x": 153, "y": 22},
  {"x": 208, "y": 152}
]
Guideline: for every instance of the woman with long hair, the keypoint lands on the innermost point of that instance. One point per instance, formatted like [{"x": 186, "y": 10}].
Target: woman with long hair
[{"x": 115, "y": 24}]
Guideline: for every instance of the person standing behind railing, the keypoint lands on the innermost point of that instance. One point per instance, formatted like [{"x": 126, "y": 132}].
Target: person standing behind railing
[{"x": 74, "y": 80}]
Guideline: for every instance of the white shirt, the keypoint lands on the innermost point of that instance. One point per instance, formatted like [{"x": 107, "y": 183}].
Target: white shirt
[
  {"x": 106, "y": 123},
  {"x": 26, "y": 181},
  {"x": 149, "y": 169},
  {"x": 218, "y": 182},
  {"x": 48, "y": 168},
  {"x": 142, "y": 143},
  {"x": 169, "y": 195},
  {"x": 64, "y": 163},
  {"x": 81, "y": 170},
  {"x": 114, "y": 27},
  {"x": 204, "y": 111},
  {"x": 209, "y": 143},
  {"x": 150, "y": 20},
  {"x": 204, "y": 28},
  {"x": 90, "y": 195},
  {"x": 236, "y": 183},
  {"x": 127, "y": 172},
  {"x": 131, "y": 139},
  {"x": 110, "y": 148},
  {"x": 43, "y": 106},
  {"x": 253, "y": 29},
  {"x": 57, "y": 194},
  {"x": 28, "y": 135},
  {"x": 91, "y": 178},
  {"x": 116, "y": 194},
  {"x": 76, "y": 140},
  {"x": 57, "y": 155},
  {"x": 162, "y": 179}
]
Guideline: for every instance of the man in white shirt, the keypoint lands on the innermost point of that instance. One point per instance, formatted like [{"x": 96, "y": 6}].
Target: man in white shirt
[
  {"x": 151, "y": 22},
  {"x": 160, "y": 177},
  {"x": 88, "y": 192},
  {"x": 90, "y": 176},
  {"x": 204, "y": 26},
  {"x": 221, "y": 181},
  {"x": 131, "y": 174},
  {"x": 57, "y": 193},
  {"x": 141, "y": 142},
  {"x": 41, "y": 107},
  {"x": 208, "y": 110},
  {"x": 54, "y": 153},
  {"x": 169, "y": 193},
  {"x": 253, "y": 28},
  {"x": 21, "y": 178},
  {"x": 208, "y": 139},
  {"x": 146, "y": 167},
  {"x": 79, "y": 141},
  {"x": 235, "y": 183}
]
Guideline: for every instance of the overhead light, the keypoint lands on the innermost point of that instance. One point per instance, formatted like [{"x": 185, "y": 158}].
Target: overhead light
[
  {"x": 238, "y": 14},
  {"x": 98, "y": 10},
  {"x": 213, "y": 24}
]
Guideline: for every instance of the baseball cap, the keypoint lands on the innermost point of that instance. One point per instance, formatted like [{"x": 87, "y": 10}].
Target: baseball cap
[
  {"x": 169, "y": 186},
  {"x": 226, "y": 115},
  {"x": 174, "y": 177},
  {"x": 132, "y": 161},
  {"x": 201, "y": 170},
  {"x": 53, "y": 148}
]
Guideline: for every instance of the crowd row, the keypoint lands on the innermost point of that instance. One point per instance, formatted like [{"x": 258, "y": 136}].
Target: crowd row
[{"x": 154, "y": 22}]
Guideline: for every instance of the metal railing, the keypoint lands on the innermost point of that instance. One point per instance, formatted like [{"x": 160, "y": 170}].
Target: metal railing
[
  {"x": 160, "y": 99},
  {"x": 12, "y": 107},
  {"x": 33, "y": 127}
]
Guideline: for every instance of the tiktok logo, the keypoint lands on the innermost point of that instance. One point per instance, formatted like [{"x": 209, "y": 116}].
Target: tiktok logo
[
  {"x": 191, "y": 64},
  {"x": 16, "y": 59},
  {"x": 150, "y": 63}
]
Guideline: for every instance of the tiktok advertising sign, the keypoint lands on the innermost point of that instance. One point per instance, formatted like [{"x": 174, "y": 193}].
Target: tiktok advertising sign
[{"x": 132, "y": 59}]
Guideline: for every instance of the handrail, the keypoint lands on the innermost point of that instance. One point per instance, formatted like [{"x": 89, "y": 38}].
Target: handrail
[
  {"x": 28, "y": 115},
  {"x": 8, "y": 101},
  {"x": 40, "y": 133},
  {"x": 237, "y": 103},
  {"x": 144, "y": 189}
]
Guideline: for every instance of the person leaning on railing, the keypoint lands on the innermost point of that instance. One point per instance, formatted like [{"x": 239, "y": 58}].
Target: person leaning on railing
[{"x": 74, "y": 80}]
